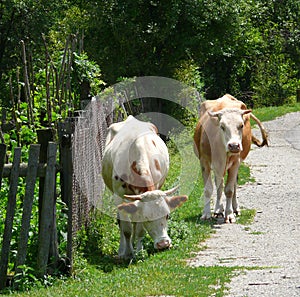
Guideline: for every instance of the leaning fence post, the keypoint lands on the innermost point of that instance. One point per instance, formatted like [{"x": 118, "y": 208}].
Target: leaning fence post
[
  {"x": 33, "y": 162},
  {"x": 47, "y": 219},
  {"x": 10, "y": 212}
]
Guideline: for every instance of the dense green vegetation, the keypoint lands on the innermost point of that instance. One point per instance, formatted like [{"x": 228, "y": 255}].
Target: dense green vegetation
[
  {"x": 56, "y": 54},
  {"x": 247, "y": 48}
]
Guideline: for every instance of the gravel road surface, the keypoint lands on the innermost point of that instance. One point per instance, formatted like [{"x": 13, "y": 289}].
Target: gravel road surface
[{"x": 272, "y": 242}]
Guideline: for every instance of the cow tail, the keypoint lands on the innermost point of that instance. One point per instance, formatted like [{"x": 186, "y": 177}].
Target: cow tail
[
  {"x": 264, "y": 133},
  {"x": 197, "y": 135}
]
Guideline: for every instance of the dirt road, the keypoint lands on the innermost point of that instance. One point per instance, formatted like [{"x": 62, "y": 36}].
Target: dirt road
[{"x": 272, "y": 242}]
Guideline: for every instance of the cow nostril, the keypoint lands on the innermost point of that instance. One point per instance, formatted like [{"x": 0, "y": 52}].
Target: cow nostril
[
  {"x": 163, "y": 244},
  {"x": 234, "y": 147}
]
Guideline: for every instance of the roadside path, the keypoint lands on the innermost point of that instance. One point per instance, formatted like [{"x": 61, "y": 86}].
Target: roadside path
[{"x": 272, "y": 241}]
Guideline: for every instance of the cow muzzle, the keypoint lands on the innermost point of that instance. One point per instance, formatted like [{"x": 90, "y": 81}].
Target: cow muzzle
[
  {"x": 163, "y": 244},
  {"x": 234, "y": 147}
]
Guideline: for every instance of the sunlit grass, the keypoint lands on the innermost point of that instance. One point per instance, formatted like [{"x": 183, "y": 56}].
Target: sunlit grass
[{"x": 270, "y": 113}]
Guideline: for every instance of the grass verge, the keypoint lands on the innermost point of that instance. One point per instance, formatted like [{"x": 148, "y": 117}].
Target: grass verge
[{"x": 270, "y": 113}]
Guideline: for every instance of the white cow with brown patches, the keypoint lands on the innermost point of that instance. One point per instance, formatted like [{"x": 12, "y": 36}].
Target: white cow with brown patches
[{"x": 134, "y": 167}]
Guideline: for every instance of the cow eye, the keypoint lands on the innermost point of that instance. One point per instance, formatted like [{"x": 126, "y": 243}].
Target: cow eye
[
  {"x": 241, "y": 126},
  {"x": 167, "y": 217},
  {"x": 223, "y": 127}
]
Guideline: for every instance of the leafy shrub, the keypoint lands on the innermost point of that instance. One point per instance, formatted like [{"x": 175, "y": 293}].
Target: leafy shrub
[
  {"x": 99, "y": 237},
  {"x": 275, "y": 82}
]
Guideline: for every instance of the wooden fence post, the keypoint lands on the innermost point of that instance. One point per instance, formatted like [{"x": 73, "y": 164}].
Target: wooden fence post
[
  {"x": 44, "y": 137},
  {"x": 66, "y": 130},
  {"x": 10, "y": 212},
  {"x": 298, "y": 95},
  {"x": 48, "y": 206},
  {"x": 33, "y": 162}
]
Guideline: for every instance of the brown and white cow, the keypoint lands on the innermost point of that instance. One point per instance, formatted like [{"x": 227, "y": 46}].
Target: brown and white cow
[
  {"x": 222, "y": 141},
  {"x": 134, "y": 167}
]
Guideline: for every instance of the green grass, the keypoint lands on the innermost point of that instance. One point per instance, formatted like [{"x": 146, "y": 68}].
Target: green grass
[
  {"x": 97, "y": 273},
  {"x": 271, "y": 113},
  {"x": 152, "y": 274},
  {"x": 244, "y": 175},
  {"x": 246, "y": 217},
  {"x": 176, "y": 280}
]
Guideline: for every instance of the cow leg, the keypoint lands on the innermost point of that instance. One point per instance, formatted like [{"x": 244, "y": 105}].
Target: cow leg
[
  {"x": 235, "y": 204},
  {"x": 229, "y": 193},
  {"x": 219, "y": 208},
  {"x": 138, "y": 235},
  {"x": 208, "y": 189},
  {"x": 125, "y": 248}
]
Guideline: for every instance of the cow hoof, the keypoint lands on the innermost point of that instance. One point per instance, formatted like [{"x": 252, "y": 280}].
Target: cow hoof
[
  {"x": 124, "y": 257},
  {"x": 230, "y": 219},
  {"x": 219, "y": 215},
  {"x": 237, "y": 212},
  {"x": 120, "y": 260},
  {"x": 206, "y": 216}
]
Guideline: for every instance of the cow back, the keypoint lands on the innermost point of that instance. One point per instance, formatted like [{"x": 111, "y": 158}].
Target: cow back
[{"x": 135, "y": 158}]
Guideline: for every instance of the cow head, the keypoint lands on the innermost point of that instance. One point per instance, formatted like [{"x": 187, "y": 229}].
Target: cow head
[
  {"x": 152, "y": 209},
  {"x": 231, "y": 124}
]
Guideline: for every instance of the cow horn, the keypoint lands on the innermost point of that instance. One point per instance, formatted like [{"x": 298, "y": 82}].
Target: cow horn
[
  {"x": 133, "y": 197},
  {"x": 171, "y": 191}
]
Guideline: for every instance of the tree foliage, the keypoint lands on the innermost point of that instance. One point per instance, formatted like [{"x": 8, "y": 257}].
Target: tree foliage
[{"x": 245, "y": 47}]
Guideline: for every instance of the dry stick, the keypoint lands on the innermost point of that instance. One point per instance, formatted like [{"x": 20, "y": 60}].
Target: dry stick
[
  {"x": 19, "y": 89},
  {"x": 60, "y": 85},
  {"x": 49, "y": 109},
  {"x": 55, "y": 83},
  {"x": 80, "y": 50},
  {"x": 27, "y": 85},
  {"x": 14, "y": 112},
  {"x": 70, "y": 62},
  {"x": 31, "y": 82}
]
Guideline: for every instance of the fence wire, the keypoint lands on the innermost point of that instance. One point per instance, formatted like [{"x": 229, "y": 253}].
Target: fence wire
[{"x": 87, "y": 151}]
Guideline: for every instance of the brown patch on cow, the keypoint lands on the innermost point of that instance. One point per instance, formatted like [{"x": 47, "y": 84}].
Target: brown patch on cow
[
  {"x": 157, "y": 165},
  {"x": 128, "y": 207},
  {"x": 154, "y": 143},
  {"x": 134, "y": 168},
  {"x": 153, "y": 128},
  {"x": 176, "y": 201},
  {"x": 140, "y": 189}
]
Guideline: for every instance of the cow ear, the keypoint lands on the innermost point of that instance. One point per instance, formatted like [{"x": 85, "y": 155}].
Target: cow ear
[
  {"x": 130, "y": 208},
  {"x": 176, "y": 201},
  {"x": 246, "y": 111},
  {"x": 215, "y": 114}
]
